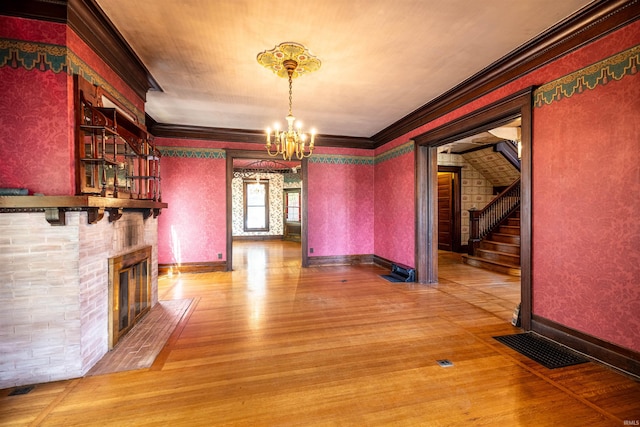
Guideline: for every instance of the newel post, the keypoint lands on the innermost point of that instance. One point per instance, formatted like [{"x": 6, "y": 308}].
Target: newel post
[{"x": 474, "y": 230}]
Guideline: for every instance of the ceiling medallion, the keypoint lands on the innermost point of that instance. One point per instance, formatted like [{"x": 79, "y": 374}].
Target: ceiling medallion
[{"x": 289, "y": 60}]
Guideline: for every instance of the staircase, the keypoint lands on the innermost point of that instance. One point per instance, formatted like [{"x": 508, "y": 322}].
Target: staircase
[{"x": 500, "y": 249}]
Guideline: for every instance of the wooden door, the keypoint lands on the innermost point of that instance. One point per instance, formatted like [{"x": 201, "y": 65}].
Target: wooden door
[{"x": 445, "y": 211}]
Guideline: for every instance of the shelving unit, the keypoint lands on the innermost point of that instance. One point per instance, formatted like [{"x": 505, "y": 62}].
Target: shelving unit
[{"x": 116, "y": 155}]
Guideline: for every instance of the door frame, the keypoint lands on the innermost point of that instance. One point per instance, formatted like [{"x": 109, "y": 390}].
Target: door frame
[
  {"x": 456, "y": 202},
  {"x": 262, "y": 155},
  {"x": 426, "y": 160}
]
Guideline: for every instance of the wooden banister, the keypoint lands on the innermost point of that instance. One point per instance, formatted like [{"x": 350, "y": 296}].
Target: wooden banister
[{"x": 483, "y": 221}]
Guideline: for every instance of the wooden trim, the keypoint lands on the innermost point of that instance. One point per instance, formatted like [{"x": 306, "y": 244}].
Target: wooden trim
[
  {"x": 611, "y": 354},
  {"x": 262, "y": 155},
  {"x": 258, "y": 238},
  {"x": 304, "y": 229},
  {"x": 192, "y": 267},
  {"x": 267, "y": 202},
  {"x": 41, "y": 202},
  {"x": 382, "y": 262},
  {"x": 456, "y": 234},
  {"x": 583, "y": 27},
  {"x": 92, "y": 25},
  {"x": 167, "y": 130},
  {"x": 502, "y": 111},
  {"x": 426, "y": 233},
  {"x": 45, "y": 10},
  {"x": 316, "y": 261}
]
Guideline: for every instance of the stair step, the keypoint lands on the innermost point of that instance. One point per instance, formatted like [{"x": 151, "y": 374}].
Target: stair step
[
  {"x": 510, "y": 248},
  {"x": 513, "y": 222},
  {"x": 509, "y": 229},
  {"x": 512, "y": 259},
  {"x": 499, "y": 267},
  {"x": 505, "y": 238}
]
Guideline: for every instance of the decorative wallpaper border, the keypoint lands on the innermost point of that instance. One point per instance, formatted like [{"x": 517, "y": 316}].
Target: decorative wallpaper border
[
  {"x": 58, "y": 59},
  {"x": 407, "y": 147},
  {"x": 615, "y": 67},
  {"x": 193, "y": 153},
  {"x": 337, "y": 159}
]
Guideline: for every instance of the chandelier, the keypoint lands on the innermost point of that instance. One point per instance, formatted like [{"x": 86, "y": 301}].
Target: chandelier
[{"x": 289, "y": 60}]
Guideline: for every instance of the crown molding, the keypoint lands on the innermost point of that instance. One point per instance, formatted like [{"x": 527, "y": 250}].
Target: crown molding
[
  {"x": 583, "y": 27},
  {"x": 45, "y": 10},
  {"x": 92, "y": 25},
  {"x": 166, "y": 130}
]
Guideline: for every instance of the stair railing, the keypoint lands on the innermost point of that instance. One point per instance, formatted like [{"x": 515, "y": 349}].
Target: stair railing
[{"x": 483, "y": 221}]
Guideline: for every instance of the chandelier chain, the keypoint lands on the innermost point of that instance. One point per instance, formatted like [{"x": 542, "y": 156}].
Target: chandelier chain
[{"x": 290, "y": 94}]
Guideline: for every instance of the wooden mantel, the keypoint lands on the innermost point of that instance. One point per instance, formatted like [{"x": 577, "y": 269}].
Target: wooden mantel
[{"x": 55, "y": 207}]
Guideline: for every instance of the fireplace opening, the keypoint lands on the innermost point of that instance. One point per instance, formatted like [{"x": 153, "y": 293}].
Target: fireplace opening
[{"x": 129, "y": 291}]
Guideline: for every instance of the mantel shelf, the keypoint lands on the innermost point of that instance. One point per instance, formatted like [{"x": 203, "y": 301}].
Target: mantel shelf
[{"x": 55, "y": 207}]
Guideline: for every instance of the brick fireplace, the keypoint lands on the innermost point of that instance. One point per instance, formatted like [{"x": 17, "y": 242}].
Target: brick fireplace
[{"x": 54, "y": 290}]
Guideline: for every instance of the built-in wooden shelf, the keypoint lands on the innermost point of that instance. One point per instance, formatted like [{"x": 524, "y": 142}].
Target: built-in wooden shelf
[{"x": 55, "y": 207}]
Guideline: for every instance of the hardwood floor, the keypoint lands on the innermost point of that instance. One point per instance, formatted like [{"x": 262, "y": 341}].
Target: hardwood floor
[{"x": 271, "y": 344}]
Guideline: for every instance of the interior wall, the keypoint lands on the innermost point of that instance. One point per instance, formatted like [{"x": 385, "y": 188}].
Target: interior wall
[
  {"x": 276, "y": 206},
  {"x": 193, "y": 228},
  {"x": 340, "y": 203},
  {"x": 37, "y": 110},
  {"x": 34, "y": 127},
  {"x": 394, "y": 204},
  {"x": 585, "y": 160},
  {"x": 586, "y": 204}
]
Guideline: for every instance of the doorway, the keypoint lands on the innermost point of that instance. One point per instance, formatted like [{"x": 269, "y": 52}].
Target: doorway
[
  {"x": 449, "y": 189},
  {"x": 426, "y": 159},
  {"x": 243, "y": 155}
]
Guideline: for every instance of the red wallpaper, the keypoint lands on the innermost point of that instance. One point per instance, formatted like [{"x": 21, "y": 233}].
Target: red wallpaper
[
  {"x": 36, "y": 112},
  {"x": 193, "y": 229},
  {"x": 35, "y": 140},
  {"x": 341, "y": 209},
  {"x": 586, "y": 175},
  {"x": 32, "y": 30},
  {"x": 98, "y": 66},
  {"x": 395, "y": 209}
]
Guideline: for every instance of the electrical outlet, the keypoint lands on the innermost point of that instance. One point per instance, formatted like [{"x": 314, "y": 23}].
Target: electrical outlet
[
  {"x": 310, "y": 250},
  {"x": 219, "y": 256}
]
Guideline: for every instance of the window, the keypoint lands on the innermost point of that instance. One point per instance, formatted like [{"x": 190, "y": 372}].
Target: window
[
  {"x": 292, "y": 205},
  {"x": 256, "y": 205}
]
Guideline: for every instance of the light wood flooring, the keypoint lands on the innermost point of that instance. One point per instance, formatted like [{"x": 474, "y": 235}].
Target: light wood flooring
[{"x": 272, "y": 344}]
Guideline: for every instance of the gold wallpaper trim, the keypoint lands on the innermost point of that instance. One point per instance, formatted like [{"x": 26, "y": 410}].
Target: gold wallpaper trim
[
  {"x": 613, "y": 68},
  {"x": 58, "y": 59}
]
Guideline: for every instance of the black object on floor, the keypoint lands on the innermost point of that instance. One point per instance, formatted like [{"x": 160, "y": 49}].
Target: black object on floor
[
  {"x": 545, "y": 352},
  {"x": 22, "y": 390},
  {"x": 400, "y": 273}
]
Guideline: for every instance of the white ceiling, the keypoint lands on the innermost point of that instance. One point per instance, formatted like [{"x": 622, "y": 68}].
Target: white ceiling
[{"x": 381, "y": 59}]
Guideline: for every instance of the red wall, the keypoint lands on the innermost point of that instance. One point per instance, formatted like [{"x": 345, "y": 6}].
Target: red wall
[
  {"x": 586, "y": 201},
  {"x": 340, "y": 203},
  {"x": 586, "y": 182},
  {"x": 193, "y": 228},
  {"x": 340, "y": 210},
  {"x": 34, "y": 132},
  {"x": 37, "y": 112},
  {"x": 394, "y": 209},
  {"x": 35, "y": 138}
]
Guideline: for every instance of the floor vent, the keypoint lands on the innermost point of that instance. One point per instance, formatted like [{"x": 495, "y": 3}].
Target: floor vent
[
  {"x": 21, "y": 390},
  {"x": 545, "y": 352}
]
